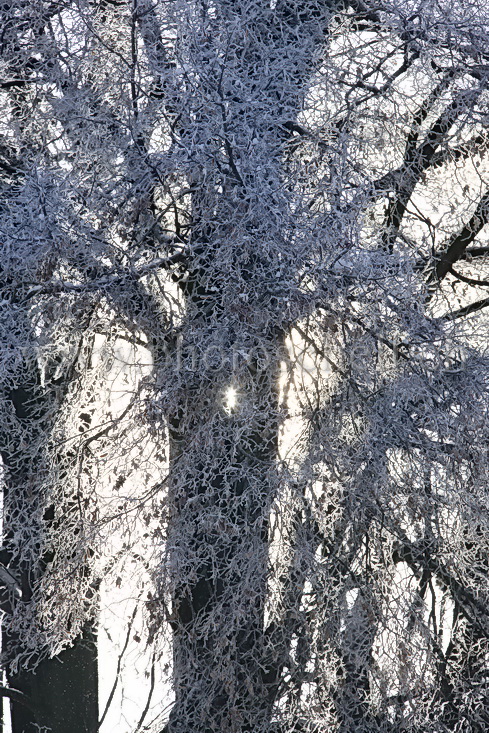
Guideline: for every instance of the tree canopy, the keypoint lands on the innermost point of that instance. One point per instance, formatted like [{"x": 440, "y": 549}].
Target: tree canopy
[{"x": 243, "y": 281}]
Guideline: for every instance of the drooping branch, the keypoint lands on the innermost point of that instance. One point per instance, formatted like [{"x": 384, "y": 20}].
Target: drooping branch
[
  {"x": 469, "y": 280},
  {"x": 119, "y": 666},
  {"x": 467, "y": 310},
  {"x": 421, "y": 556}
]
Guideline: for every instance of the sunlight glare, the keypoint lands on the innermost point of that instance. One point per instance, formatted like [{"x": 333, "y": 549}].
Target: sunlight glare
[{"x": 231, "y": 399}]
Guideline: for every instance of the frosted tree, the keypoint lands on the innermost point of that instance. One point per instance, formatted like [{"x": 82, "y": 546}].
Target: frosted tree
[
  {"x": 43, "y": 352},
  {"x": 282, "y": 206}
]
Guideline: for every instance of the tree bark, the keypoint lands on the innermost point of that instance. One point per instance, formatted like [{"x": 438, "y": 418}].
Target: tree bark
[{"x": 61, "y": 693}]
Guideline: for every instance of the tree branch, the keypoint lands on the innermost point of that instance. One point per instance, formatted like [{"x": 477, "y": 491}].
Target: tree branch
[
  {"x": 467, "y": 310},
  {"x": 469, "y": 280},
  {"x": 420, "y": 557},
  {"x": 417, "y": 159},
  {"x": 119, "y": 666},
  {"x": 150, "y": 695},
  {"x": 18, "y": 697},
  {"x": 461, "y": 241}
]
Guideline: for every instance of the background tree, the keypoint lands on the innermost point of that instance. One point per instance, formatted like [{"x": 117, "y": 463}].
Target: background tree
[
  {"x": 282, "y": 206},
  {"x": 42, "y": 515}
]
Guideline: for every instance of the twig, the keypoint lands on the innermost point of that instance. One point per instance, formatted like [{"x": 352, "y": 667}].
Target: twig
[
  {"x": 118, "y": 670},
  {"x": 150, "y": 695}
]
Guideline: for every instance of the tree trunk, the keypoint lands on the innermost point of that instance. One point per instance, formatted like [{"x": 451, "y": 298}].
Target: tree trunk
[
  {"x": 222, "y": 467},
  {"x": 239, "y": 272},
  {"x": 61, "y": 693}
]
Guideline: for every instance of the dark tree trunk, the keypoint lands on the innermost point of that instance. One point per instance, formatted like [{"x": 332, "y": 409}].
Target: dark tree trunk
[
  {"x": 61, "y": 693},
  {"x": 223, "y": 485}
]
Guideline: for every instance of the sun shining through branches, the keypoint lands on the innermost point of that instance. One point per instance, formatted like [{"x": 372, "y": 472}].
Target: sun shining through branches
[{"x": 231, "y": 399}]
